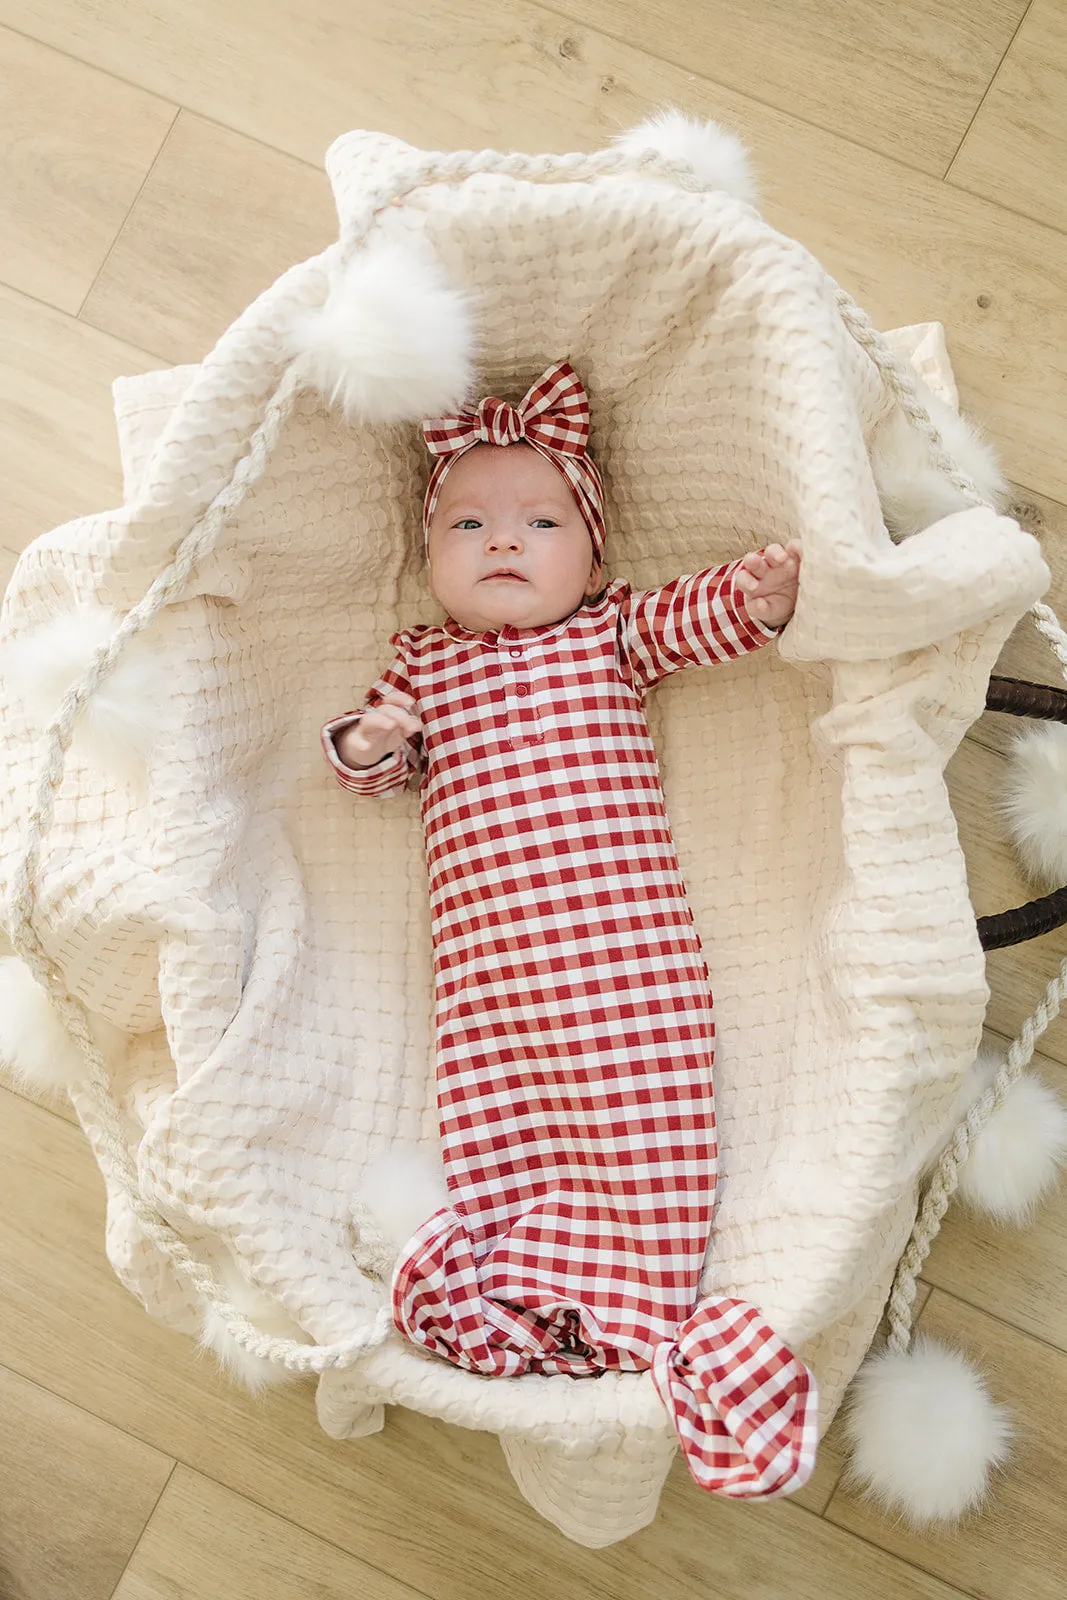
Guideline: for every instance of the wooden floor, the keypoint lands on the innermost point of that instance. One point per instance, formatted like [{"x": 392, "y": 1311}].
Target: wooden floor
[{"x": 160, "y": 164}]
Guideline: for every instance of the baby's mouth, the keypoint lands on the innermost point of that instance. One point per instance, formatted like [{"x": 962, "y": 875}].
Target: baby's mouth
[{"x": 504, "y": 572}]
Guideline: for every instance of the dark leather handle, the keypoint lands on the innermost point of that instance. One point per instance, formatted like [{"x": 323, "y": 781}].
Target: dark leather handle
[{"x": 1021, "y": 699}]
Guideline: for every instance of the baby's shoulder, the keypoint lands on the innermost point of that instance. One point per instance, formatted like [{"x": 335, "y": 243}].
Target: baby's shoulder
[
  {"x": 412, "y": 641},
  {"x": 605, "y": 607}
]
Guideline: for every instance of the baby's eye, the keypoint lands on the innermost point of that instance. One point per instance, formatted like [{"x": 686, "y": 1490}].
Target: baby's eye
[
  {"x": 544, "y": 522},
  {"x": 468, "y": 522}
]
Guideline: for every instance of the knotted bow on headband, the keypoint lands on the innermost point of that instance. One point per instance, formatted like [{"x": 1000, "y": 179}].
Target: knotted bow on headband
[{"x": 553, "y": 418}]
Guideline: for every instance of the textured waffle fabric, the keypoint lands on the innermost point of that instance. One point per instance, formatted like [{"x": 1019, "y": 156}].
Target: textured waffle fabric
[
  {"x": 574, "y": 1024},
  {"x": 272, "y": 962}
]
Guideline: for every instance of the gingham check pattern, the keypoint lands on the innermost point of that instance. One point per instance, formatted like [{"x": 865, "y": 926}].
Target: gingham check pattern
[
  {"x": 553, "y": 417},
  {"x": 574, "y": 1020}
]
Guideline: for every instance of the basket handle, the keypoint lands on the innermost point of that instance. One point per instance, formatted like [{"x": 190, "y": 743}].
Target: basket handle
[{"x": 1022, "y": 699}]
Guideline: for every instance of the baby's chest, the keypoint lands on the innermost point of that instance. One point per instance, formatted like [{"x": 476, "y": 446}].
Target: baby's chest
[{"x": 514, "y": 696}]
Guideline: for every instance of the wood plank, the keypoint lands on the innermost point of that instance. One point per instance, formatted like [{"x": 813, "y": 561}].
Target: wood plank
[
  {"x": 1027, "y": 654},
  {"x": 59, "y": 453},
  {"x": 218, "y": 220},
  {"x": 908, "y": 247},
  {"x": 76, "y": 1494},
  {"x": 1015, "y": 151},
  {"x": 440, "y": 77},
  {"x": 1014, "y": 1546},
  {"x": 708, "y": 1546},
  {"x": 7, "y": 567},
  {"x": 819, "y": 1489},
  {"x": 902, "y": 79},
  {"x": 1015, "y": 1270},
  {"x": 75, "y": 147},
  {"x": 54, "y": 1106},
  {"x": 58, "y": 1104},
  {"x": 833, "y": 1448},
  {"x": 1017, "y": 976},
  {"x": 205, "y": 1541}
]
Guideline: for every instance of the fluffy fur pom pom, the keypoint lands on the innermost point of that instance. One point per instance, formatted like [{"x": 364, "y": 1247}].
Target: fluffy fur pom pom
[
  {"x": 36, "y": 1051},
  {"x": 116, "y": 730},
  {"x": 912, "y": 491},
  {"x": 256, "y": 1373},
  {"x": 401, "y": 1190},
  {"x": 1015, "y": 1158},
  {"x": 924, "y": 1432},
  {"x": 717, "y": 156},
  {"x": 393, "y": 342},
  {"x": 1035, "y": 802}
]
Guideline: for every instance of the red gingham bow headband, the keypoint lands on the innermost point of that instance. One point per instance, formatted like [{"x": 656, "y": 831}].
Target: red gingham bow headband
[{"x": 553, "y": 417}]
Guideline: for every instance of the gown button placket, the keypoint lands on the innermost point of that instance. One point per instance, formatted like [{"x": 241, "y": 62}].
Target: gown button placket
[{"x": 523, "y": 726}]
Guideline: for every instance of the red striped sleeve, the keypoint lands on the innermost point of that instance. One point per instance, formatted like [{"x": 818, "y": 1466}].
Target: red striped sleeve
[
  {"x": 393, "y": 772},
  {"x": 694, "y": 621}
]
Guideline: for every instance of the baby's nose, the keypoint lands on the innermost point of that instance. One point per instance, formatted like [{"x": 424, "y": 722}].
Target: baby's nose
[{"x": 503, "y": 539}]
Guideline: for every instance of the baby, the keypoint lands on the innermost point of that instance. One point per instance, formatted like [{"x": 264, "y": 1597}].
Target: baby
[{"x": 574, "y": 1023}]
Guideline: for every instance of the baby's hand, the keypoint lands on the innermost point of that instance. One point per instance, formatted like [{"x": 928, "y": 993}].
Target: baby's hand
[
  {"x": 379, "y": 732},
  {"x": 768, "y": 580}
]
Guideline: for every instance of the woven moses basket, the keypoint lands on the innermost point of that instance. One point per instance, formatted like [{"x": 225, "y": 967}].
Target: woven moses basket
[{"x": 242, "y": 953}]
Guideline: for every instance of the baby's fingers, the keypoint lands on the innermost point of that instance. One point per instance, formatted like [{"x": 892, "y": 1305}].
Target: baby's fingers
[
  {"x": 399, "y": 705},
  {"x": 358, "y": 737},
  {"x": 395, "y": 708},
  {"x": 775, "y": 556},
  {"x": 386, "y": 721}
]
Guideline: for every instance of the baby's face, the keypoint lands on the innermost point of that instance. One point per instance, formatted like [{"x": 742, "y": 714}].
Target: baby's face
[{"x": 505, "y": 509}]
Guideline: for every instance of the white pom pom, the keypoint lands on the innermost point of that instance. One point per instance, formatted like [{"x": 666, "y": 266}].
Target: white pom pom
[
  {"x": 402, "y": 1189},
  {"x": 924, "y": 1432},
  {"x": 393, "y": 342},
  {"x": 117, "y": 728},
  {"x": 256, "y": 1373},
  {"x": 36, "y": 1051},
  {"x": 1014, "y": 1160},
  {"x": 913, "y": 492},
  {"x": 717, "y": 156},
  {"x": 1035, "y": 802}
]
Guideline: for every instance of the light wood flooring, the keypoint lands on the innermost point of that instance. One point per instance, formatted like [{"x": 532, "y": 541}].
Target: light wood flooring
[{"x": 160, "y": 164}]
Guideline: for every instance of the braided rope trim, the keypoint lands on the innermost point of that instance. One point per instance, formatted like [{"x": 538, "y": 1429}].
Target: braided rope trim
[
  {"x": 946, "y": 1176},
  {"x": 169, "y": 587},
  {"x": 457, "y": 165}
]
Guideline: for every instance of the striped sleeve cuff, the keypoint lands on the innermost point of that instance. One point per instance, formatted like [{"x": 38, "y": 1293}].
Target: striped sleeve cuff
[{"x": 385, "y": 775}]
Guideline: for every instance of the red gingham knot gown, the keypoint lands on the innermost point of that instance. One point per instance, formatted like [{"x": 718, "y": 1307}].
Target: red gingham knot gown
[{"x": 575, "y": 1034}]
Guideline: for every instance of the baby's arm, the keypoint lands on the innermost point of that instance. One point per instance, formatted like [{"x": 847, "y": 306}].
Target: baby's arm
[
  {"x": 709, "y": 617},
  {"x": 378, "y": 733},
  {"x": 376, "y": 750}
]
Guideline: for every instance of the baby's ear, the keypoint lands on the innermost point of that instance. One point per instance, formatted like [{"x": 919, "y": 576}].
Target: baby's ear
[{"x": 594, "y": 580}]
